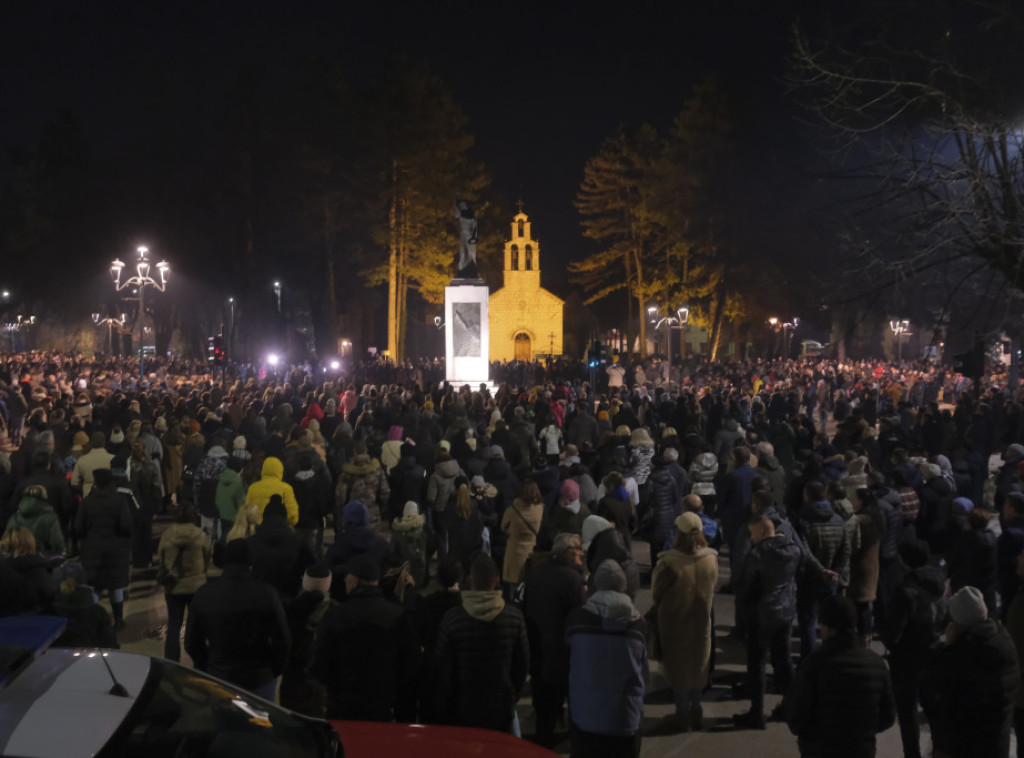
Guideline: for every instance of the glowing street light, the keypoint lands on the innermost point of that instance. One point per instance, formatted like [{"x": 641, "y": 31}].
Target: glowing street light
[
  {"x": 680, "y": 318},
  {"x": 139, "y": 282},
  {"x": 899, "y": 328},
  {"x": 109, "y": 321},
  {"x": 277, "y": 293}
]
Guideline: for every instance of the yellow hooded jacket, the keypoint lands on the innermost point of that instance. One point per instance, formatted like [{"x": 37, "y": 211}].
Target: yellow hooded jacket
[{"x": 271, "y": 483}]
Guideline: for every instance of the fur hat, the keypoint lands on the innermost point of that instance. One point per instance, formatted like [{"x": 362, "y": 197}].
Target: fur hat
[
  {"x": 317, "y": 579},
  {"x": 967, "y": 607},
  {"x": 610, "y": 576}
]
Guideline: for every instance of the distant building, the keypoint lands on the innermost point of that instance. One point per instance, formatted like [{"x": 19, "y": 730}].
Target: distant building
[{"x": 525, "y": 319}]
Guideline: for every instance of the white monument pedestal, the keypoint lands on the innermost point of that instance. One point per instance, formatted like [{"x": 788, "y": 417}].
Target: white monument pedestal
[{"x": 466, "y": 338}]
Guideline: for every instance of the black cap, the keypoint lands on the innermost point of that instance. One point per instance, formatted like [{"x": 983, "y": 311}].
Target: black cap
[{"x": 363, "y": 568}]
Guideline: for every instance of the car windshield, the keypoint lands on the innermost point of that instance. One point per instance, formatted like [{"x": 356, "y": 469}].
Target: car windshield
[{"x": 182, "y": 713}]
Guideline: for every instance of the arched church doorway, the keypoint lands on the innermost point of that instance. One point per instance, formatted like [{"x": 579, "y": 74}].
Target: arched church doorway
[{"x": 522, "y": 346}]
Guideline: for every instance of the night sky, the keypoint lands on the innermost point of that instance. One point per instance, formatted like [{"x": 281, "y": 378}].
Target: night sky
[{"x": 542, "y": 84}]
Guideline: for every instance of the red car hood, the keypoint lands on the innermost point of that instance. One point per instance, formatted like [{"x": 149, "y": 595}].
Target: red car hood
[{"x": 363, "y": 739}]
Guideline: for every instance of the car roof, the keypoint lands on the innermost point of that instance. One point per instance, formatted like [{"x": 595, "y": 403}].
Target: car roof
[{"x": 379, "y": 739}]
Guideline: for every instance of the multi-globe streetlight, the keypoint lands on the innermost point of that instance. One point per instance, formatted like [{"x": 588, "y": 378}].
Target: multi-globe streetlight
[
  {"x": 110, "y": 322},
  {"x": 899, "y": 328},
  {"x": 679, "y": 318},
  {"x": 13, "y": 327},
  {"x": 142, "y": 279}
]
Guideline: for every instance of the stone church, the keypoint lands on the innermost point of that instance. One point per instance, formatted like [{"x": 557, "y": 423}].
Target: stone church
[{"x": 525, "y": 319}]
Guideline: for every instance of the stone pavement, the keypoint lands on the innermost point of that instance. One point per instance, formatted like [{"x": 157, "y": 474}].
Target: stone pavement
[{"x": 145, "y": 614}]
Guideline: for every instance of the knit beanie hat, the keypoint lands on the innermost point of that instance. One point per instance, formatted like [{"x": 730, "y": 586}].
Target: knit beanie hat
[
  {"x": 411, "y": 509},
  {"x": 497, "y": 451},
  {"x": 445, "y": 445},
  {"x": 610, "y": 576},
  {"x": 239, "y": 443},
  {"x": 593, "y": 526},
  {"x": 275, "y": 507},
  {"x": 967, "y": 607},
  {"x": 317, "y": 579},
  {"x": 570, "y": 492}
]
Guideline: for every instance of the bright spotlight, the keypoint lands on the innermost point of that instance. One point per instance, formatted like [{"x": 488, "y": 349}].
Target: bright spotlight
[
  {"x": 272, "y": 359},
  {"x": 335, "y": 365}
]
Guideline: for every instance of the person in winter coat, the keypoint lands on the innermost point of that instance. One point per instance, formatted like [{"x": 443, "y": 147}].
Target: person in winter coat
[
  {"x": 362, "y": 479},
  {"x": 279, "y": 555},
  {"x": 88, "y": 623},
  {"x": 482, "y": 654},
  {"x": 237, "y": 629},
  {"x": 246, "y": 521},
  {"x": 300, "y": 691},
  {"x": 550, "y": 441},
  {"x": 553, "y": 589},
  {"x": 828, "y": 545},
  {"x": 204, "y": 489},
  {"x": 271, "y": 482},
  {"x": 521, "y": 522},
  {"x": 407, "y": 480},
  {"x": 766, "y": 588},
  {"x": 35, "y": 514},
  {"x": 702, "y": 472},
  {"x": 570, "y": 513},
  {"x": 412, "y": 542},
  {"x": 1015, "y": 628},
  {"x": 842, "y": 696},
  {"x": 864, "y": 563},
  {"x": 602, "y": 541},
  {"x": 365, "y": 651},
  {"x": 58, "y": 493},
  {"x": 607, "y": 670},
  {"x": 230, "y": 496},
  {"x": 103, "y": 527},
  {"x": 440, "y": 494},
  {"x": 356, "y": 538},
  {"x": 313, "y": 492},
  {"x": 737, "y": 492},
  {"x": 936, "y": 495},
  {"x": 665, "y": 507},
  {"x": 771, "y": 472},
  {"x": 970, "y": 682},
  {"x": 909, "y": 633},
  {"x": 618, "y": 507},
  {"x": 391, "y": 450},
  {"x": 972, "y": 557},
  {"x": 95, "y": 457},
  {"x": 465, "y": 525},
  {"x": 185, "y": 552},
  {"x": 683, "y": 589},
  {"x": 18, "y": 552}
]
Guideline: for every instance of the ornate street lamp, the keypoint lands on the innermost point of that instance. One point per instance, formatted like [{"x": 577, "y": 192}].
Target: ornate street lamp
[
  {"x": 899, "y": 328},
  {"x": 142, "y": 279}
]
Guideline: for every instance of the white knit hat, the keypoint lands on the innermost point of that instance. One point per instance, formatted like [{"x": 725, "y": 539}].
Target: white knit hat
[
  {"x": 411, "y": 509},
  {"x": 967, "y": 607},
  {"x": 239, "y": 443}
]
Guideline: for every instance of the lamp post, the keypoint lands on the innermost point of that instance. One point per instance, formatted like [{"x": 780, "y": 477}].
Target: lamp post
[
  {"x": 277, "y": 294},
  {"x": 142, "y": 279},
  {"x": 109, "y": 321},
  {"x": 681, "y": 316},
  {"x": 787, "y": 334},
  {"x": 899, "y": 328},
  {"x": 231, "y": 330},
  {"x": 13, "y": 327}
]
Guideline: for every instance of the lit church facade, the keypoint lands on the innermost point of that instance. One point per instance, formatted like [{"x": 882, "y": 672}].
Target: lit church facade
[{"x": 525, "y": 319}]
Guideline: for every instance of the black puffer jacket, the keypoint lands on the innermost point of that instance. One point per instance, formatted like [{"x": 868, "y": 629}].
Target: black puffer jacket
[
  {"x": 279, "y": 555},
  {"x": 842, "y": 698},
  {"x": 968, "y": 691},
  {"x": 408, "y": 481},
  {"x": 482, "y": 661},
  {"x": 367, "y": 656},
  {"x": 666, "y": 504},
  {"x": 553, "y": 588},
  {"x": 766, "y": 581}
]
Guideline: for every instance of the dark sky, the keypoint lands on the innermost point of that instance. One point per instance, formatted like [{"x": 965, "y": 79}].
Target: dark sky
[{"x": 542, "y": 84}]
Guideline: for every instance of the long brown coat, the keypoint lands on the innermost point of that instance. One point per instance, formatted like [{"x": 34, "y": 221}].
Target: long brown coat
[
  {"x": 683, "y": 588},
  {"x": 864, "y": 563},
  {"x": 521, "y": 539}
]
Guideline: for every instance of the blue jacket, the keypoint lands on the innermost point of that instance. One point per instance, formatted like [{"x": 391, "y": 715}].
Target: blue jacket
[{"x": 607, "y": 665}]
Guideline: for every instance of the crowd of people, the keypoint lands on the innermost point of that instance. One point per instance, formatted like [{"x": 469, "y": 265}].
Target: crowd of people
[{"x": 399, "y": 549}]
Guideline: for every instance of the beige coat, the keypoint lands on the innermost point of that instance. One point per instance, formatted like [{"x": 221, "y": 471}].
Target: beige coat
[
  {"x": 521, "y": 540},
  {"x": 683, "y": 588}
]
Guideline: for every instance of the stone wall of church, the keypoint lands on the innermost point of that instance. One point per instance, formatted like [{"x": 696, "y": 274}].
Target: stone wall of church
[{"x": 519, "y": 308}]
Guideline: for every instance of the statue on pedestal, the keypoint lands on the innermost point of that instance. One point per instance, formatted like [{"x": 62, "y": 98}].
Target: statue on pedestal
[{"x": 465, "y": 261}]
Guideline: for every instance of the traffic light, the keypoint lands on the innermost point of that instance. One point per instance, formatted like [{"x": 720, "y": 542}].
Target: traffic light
[
  {"x": 218, "y": 349},
  {"x": 594, "y": 354}
]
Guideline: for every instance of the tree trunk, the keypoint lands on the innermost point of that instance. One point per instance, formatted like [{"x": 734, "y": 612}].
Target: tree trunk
[
  {"x": 629, "y": 303},
  {"x": 640, "y": 301},
  {"x": 393, "y": 265},
  {"x": 716, "y": 324}
]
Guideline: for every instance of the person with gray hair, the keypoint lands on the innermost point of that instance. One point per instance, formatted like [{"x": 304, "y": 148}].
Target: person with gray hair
[
  {"x": 607, "y": 670},
  {"x": 553, "y": 589}
]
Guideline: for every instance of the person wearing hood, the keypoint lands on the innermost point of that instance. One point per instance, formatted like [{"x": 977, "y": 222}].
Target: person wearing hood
[
  {"x": 482, "y": 655},
  {"x": 185, "y": 552},
  {"x": 407, "y": 480},
  {"x": 683, "y": 589},
  {"x": 103, "y": 527},
  {"x": 618, "y": 507},
  {"x": 842, "y": 697},
  {"x": 356, "y": 538},
  {"x": 970, "y": 681},
  {"x": 271, "y": 482},
  {"x": 601, "y": 541},
  {"x": 933, "y": 521},
  {"x": 279, "y": 555},
  {"x": 313, "y": 492},
  {"x": 230, "y": 495},
  {"x": 553, "y": 589},
  {"x": 607, "y": 669},
  {"x": 909, "y": 633},
  {"x": 365, "y": 651},
  {"x": 44, "y": 475},
  {"x": 770, "y": 471},
  {"x": 766, "y": 588},
  {"x": 88, "y": 623},
  {"x": 972, "y": 557},
  {"x": 412, "y": 542},
  {"x": 37, "y": 515}
]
